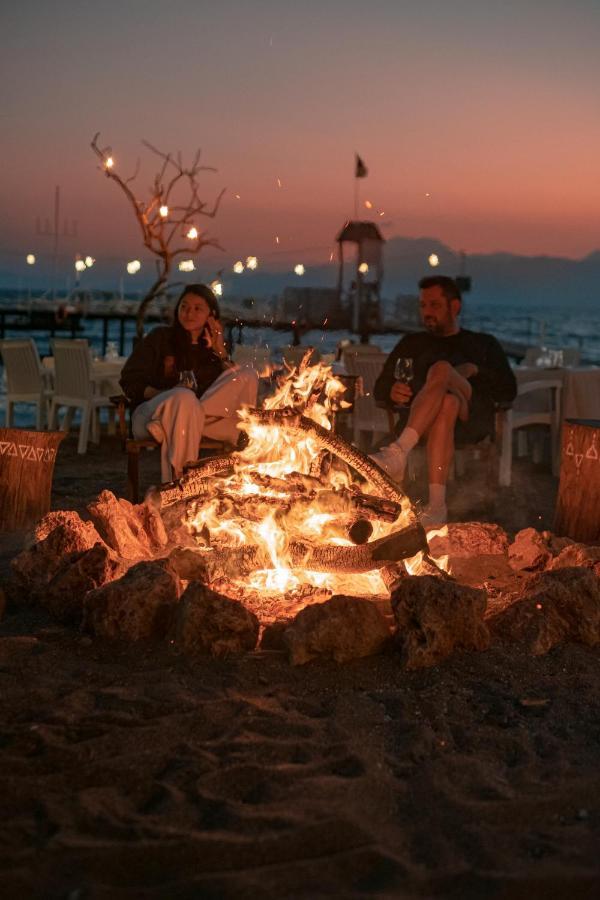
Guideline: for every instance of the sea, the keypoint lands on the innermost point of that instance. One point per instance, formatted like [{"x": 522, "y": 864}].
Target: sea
[{"x": 554, "y": 329}]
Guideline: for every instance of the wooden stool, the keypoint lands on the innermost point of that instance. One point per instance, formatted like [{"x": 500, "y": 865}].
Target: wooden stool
[
  {"x": 578, "y": 505},
  {"x": 26, "y": 468}
]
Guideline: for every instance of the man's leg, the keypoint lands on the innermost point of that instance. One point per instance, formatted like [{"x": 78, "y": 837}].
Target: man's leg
[
  {"x": 442, "y": 379},
  {"x": 440, "y": 451}
]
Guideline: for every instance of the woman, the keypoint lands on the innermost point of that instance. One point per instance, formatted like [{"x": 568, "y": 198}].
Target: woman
[{"x": 173, "y": 414}]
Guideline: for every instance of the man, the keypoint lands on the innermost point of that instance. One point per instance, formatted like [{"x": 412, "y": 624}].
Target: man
[{"x": 459, "y": 375}]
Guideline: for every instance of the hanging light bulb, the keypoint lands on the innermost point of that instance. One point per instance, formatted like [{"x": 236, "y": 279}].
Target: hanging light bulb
[
  {"x": 217, "y": 288},
  {"x": 192, "y": 233},
  {"x": 433, "y": 260},
  {"x": 299, "y": 269},
  {"x": 30, "y": 259},
  {"x": 363, "y": 268},
  {"x": 186, "y": 265},
  {"x": 163, "y": 211},
  {"x": 134, "y": 266},
  {"x": 238, "y": 267},
  {"x": 109, "y": 162},
  {"x": 251, "y": 262},
  {"x": 89, "y": 261}
]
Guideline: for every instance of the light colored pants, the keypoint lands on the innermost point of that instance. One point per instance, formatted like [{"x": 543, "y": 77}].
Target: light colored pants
[{"x": 177, "y": 419}]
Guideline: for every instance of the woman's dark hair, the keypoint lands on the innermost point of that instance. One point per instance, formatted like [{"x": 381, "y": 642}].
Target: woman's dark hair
[{"x": 182, "y": 340}]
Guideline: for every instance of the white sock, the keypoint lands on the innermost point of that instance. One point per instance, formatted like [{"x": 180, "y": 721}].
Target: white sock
[
  {"x": 408, "y": 439},
  {"x": 437, "y": 495}
]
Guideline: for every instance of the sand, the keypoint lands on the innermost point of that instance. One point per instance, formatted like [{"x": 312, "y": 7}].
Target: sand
[{"x": 131, "y": 771}]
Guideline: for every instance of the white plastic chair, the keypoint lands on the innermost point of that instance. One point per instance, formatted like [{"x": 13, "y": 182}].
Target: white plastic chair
[
  {"x": 258, "y": 358},
  {"x": 367, "y": 416},
  {"x": 548, "y": 413},
  {"x": 75, "y": 389},
  {"x": 25, "y": 379}
]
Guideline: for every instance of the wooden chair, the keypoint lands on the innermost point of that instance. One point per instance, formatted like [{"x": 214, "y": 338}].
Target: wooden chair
[{"x": 134, "y": 446}]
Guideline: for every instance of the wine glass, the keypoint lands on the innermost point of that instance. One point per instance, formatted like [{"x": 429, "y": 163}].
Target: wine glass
[
  {"x": 403, "y": 369},
  {"x": 187, "y": 379}
]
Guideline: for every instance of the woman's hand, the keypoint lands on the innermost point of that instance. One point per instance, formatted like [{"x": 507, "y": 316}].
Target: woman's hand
[
  {"x": 150, "y": 392},
  {"x": 215, "y": 336}
]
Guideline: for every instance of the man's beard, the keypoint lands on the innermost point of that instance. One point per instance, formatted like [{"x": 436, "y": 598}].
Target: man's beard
[{"x": 433, "y": 326}]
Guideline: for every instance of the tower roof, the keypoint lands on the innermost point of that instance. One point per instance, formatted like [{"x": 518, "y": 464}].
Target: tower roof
[{"x": 357, "y": 232}]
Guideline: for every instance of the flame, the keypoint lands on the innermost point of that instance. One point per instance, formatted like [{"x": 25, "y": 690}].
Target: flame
[{"x": 275, "y": 498}]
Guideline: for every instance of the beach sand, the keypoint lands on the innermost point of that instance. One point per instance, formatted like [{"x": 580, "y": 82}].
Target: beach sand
[{"x": 132, "y": 771}]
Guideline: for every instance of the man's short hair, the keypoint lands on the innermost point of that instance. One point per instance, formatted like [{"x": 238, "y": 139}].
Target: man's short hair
[{"x": 449, "y": 287}]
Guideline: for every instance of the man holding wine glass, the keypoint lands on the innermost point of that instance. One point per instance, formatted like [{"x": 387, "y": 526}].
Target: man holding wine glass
[{"x": 444, "y": 383}]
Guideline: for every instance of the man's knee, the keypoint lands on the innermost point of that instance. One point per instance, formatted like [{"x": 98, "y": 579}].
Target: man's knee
[{"x": 439, "y": 372}]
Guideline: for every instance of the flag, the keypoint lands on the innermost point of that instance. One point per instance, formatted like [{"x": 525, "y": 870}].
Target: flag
[{"x": 361, "y": 170}]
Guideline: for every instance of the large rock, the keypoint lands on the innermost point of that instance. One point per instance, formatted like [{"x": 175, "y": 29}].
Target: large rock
[
  {"x": 577, "y": 555},
  {"x": 555, "y": 607},
  {"x": 134, "y": 532},
  {"x": 532, "y": 550},
  {"x": 435, "y": 617},
  {"x": 64, "y": 596},
  {"x": 464, "y": 540},
  {"x": 64, "y": 538},
  {"x": 342, "y": 628},
  {"x": 213, "y": 625},
  {"x": 140, "y": 605},
  {"x": 2, "y": 604}
]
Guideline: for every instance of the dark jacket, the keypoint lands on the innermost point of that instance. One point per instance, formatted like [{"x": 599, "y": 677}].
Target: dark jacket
[
  {"x": 153, "y": 364},
  {"x": 494, "y": 383}
]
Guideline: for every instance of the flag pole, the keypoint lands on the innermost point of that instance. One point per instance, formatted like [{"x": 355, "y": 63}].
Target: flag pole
[{"x": 355, "y": 197}]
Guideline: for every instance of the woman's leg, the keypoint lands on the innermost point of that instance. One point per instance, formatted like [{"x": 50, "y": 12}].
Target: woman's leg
[
  {"x": 233, "y": 389},
  {"x": 175, "y": 419}
]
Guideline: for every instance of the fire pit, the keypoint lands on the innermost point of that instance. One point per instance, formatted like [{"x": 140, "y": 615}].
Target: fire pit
[{"x": 298, "y": 515}]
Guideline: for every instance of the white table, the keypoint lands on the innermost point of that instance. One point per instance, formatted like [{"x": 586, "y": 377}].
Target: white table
[{"x": 580, "y": 389}]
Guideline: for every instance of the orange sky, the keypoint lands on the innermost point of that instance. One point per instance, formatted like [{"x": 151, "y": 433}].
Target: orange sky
[{"x": 492, "y": 112}]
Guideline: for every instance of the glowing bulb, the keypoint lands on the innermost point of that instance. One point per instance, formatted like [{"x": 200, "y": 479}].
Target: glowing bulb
[
  {"x": 251, "y": 262},
  {"x": 363, "y": 268},
  {"x": 134, "y": 266},
  {"x": 217, "y": 288},
  {"x": 238, "y": 267},
  {"x": 89, "y": 261},
  {"x": 163, "y": 211},
  {"x": 186, "y": 265},
  {"x": 192, "y": 233},
  {"x": 30, "y": 259},
  {"x": 433, "y": 260},
  {"x": 299, "y": 269},
  {"x": 79, "y": 265},
  {"x": 109, "y": 162},
  {"x": 368, "y": 204}
]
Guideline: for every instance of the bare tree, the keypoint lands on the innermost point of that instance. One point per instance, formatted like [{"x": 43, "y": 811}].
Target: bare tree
[{"x": 168, "y": 220}]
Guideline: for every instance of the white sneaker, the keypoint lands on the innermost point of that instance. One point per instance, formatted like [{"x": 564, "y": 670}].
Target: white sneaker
[
  {"x": 433, "y": 516},
  {"x": 392, "y": 460}
]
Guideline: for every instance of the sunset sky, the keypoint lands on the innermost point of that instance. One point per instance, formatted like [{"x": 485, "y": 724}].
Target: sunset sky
[{"x": 479, "y": 122}]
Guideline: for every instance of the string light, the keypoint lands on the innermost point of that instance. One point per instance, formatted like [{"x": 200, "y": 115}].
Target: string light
[
  {"x": 251, "y": 262},
  {"x": 299, "y": 269},
  {"x": 30, "y": 259},
  {"x": 433, "y": 260},
  {"x": 192, "y": 233},
  {"x": 217, "y": 288},
  {"x": 79, "y": 265},
  {"x": 109, "y": 162},
  {"x": 363, "y": 268},
  {"x": 89, "y": 261},
  {"x": 163, "y": 211},
  {"x": 186, "y": 265},
  {"x": 134, "y": 266},
  {"x": 238, "y": 267}
]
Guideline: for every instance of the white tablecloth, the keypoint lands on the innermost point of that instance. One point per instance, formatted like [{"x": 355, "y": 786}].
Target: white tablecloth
[{"x": 580, "y": 390}]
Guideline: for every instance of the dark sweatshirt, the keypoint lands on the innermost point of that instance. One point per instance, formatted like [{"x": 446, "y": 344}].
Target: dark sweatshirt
[
  {"x": 494, "y": 383},
  {"x": 153, "y": 364}
]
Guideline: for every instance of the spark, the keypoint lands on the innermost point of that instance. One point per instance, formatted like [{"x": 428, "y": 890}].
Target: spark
[
  {"x": 381, "y": 212},
  {"x": 237, "y": 197},
  {"x": 368, "y": 204},
  {"x": 279, "y": 182},
  {"x": 276, "y": 238}
]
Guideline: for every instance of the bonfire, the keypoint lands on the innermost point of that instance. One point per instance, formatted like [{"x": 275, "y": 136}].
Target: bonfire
[{"x": 299, "y": 514}]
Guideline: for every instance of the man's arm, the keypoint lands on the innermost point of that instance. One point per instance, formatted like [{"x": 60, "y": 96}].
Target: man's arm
[{"x": 496, "y": 373}]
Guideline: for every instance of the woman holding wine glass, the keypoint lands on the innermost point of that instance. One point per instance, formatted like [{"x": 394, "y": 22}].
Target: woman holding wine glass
[{"x": 182, "y": 385}]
